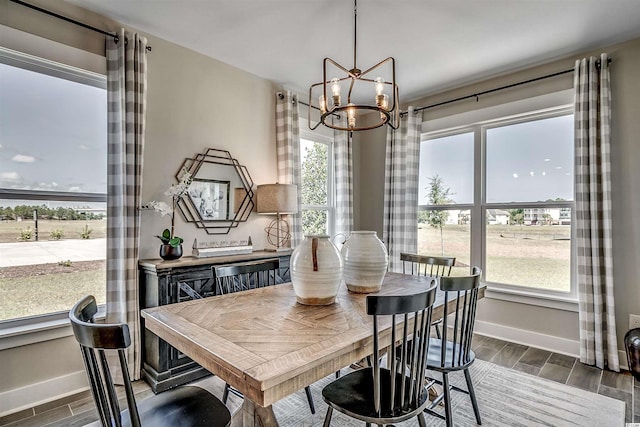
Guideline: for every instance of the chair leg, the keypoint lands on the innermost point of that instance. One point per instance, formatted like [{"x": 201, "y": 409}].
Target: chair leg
[
  {"x": 447, "y": 399},
  {"x": 421, "y": 421},
  {"x": 225, "y": 394},
  {"x": 472, "y": 395},
  {"x": 327, "y": 418},
  {"x": 307, "y": 390}
]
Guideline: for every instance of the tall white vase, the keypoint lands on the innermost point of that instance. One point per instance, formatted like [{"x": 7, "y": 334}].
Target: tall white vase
[
  {"x": 365, "y": 262},
  {"x": 316, "y": 271}
]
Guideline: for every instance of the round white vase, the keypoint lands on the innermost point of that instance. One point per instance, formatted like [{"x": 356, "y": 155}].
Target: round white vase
[
  {"x": 365, "y": 262},
  {"x": 316, "y": 271}
]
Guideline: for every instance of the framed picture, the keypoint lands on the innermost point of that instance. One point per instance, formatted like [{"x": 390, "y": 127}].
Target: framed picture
[{"x": 210, "y": 198}]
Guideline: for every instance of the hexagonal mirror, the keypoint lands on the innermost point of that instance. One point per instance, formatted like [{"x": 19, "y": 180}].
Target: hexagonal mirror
[{"x": 220, "y": 196}]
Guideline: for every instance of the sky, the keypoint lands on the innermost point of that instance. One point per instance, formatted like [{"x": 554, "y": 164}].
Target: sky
[
  {"x": 52, "y": 133},
  {"x": 526, "y": 162}
]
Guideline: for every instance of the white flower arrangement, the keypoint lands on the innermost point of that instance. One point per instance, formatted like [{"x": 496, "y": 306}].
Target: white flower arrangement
[{"x": 176, "y": 192}]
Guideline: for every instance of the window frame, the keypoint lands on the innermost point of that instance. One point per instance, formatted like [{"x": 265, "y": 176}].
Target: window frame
[
  {"x": 478, "y": 209},
  {"x": 47, "y": 326},
  {"x": 330, "y": 206}
]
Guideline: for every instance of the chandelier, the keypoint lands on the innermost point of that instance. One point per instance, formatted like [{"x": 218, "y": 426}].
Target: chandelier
[{"x": 364, "y": 93}]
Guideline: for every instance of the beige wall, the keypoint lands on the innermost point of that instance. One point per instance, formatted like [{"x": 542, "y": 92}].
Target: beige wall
[
  {"x": 625, "y": 156},
  {"x": 194, "y": 102}
]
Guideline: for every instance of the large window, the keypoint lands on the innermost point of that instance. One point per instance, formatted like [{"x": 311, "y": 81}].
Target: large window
[
  {"x": 500, "y": 194},
  {"x": 317, "y": 185},
  {"x": 445, "y": 195},
  {"x": 52, "y": 186}
]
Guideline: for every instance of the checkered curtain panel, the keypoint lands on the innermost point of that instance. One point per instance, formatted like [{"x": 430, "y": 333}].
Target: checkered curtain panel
[
  {"x": 288, "y": 150},
  {"x": 126, "y": 98},
  {"x": 598, "y": 342},
  {"x": 400, "y": 227},
  {"x": 343, "y": 183}
]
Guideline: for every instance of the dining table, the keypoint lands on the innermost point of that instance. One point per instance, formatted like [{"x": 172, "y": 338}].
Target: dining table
[{"x": 268, "y": 346}]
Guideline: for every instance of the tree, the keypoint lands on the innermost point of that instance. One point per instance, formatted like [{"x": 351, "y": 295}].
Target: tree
[
  {"x": 516, "y": 216},
  {"x": 438, "y": 195},
  {"x": 314, "y": 188}
]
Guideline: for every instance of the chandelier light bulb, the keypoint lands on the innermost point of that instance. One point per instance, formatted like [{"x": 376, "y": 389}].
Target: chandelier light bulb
[
  {"x": 323, "y": 104},
  {"x": 351, "y": 115},
  {"x": 379, "y": 86},
  {"x": 335, "y": 91}
]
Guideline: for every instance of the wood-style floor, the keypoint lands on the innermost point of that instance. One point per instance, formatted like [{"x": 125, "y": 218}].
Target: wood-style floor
[{"x": 78, "y": 410}]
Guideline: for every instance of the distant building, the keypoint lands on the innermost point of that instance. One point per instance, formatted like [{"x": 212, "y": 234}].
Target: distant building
[{"x": 497, "y": 217}]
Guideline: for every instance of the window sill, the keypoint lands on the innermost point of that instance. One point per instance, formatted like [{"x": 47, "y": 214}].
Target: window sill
[
  {"x": 566, "y": 303},
  {"x": 44, "y": 328}
]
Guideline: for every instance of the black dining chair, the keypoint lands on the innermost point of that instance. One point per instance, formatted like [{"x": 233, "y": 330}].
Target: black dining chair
[
  {"x": 183, "y": 406},
  {"x": 453, "y": 352},
  {"x": 427, "y": 265},
  {"x": 398, "y": 392},
  {"x": 241, "y": 277}
]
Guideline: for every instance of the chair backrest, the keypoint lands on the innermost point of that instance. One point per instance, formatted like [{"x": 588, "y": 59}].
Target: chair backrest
[
  {"x": 240, "y": 277},
  {"x": 94, "y": 339},
  {"x": 458, "y": 328},
  {"x": 426, "y": 265},
  {"x": 408, "y": 391}
]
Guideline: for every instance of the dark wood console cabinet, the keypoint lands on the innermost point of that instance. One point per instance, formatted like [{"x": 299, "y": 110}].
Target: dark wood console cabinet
[{"x": 165, "y": 367}]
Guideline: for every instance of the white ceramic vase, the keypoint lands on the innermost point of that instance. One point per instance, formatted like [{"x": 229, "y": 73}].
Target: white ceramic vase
[
  {"x": 365, "y": 262},
  {"x": 316, "y": 271}
]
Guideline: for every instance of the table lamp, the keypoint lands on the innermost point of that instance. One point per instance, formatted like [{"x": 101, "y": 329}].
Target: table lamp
[{"x": 277, "y": 199}]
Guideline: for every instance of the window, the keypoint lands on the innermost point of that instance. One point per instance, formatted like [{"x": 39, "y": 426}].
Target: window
[
  {"x": 499, "y": 194},
  {"x": 316, "y": 158},
  {"x": 53, "y": 176},
  {"x": 445, "y": 195}
]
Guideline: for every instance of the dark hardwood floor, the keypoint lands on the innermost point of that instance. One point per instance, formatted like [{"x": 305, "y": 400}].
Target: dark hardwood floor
[{"x": 78, "y": 410}]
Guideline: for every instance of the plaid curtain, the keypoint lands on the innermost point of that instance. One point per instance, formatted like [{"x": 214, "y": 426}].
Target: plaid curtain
[
  {"x": 400, "y": 228},
  {"x": 343, "y": 182},
  {"x": 598, "y": 342},
  {"x": 288, "y": 151},
  {"x": 126, "y": 98}
]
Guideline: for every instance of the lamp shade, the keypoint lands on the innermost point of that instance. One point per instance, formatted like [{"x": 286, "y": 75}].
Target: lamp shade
[{"x": 277, "y": 199}]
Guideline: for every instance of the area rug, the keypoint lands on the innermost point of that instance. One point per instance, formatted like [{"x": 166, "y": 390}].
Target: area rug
[{"x": 505, "y": 397}]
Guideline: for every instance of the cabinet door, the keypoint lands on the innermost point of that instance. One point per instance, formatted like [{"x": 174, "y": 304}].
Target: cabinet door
[{"x": 199, "y": 282}]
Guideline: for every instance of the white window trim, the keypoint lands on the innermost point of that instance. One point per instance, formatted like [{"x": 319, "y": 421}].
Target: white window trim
[
  {"x": 330, "y": 207},
  {"x": 20, "y": 49},
  {"x": 477, "y": 121}
]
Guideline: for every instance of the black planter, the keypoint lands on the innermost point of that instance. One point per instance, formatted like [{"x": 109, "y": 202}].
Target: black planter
[
  {"x": 168, "y": 252},
  {"x": 632, "y": 345}
]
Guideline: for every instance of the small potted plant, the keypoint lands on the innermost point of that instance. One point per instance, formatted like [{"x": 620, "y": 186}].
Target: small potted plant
[{"x": 171, "y": 247}]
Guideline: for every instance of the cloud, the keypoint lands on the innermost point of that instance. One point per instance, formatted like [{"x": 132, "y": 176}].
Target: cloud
[
  {"x": 51, "y": 186},
  {"x": 75, "y": 189},
  {"x": 10, "y": 176},
  {"x": 21, "y": 158},
  {"x": 0, "y": 145},
  {"x": 83, "y": 147}
]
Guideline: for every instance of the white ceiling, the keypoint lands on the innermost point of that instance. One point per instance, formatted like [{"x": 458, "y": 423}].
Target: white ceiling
[{"x": 437, "y": 44}]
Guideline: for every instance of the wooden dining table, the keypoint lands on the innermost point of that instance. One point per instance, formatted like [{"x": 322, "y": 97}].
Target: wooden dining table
[{"x": 268, "y": 346}]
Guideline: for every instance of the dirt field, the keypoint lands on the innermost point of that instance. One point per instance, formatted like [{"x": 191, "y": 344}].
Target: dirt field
[
  {"x": 537, "y": 256},
  {"x": 10, "y": 230},
  {"x": 48, "y": 288}
]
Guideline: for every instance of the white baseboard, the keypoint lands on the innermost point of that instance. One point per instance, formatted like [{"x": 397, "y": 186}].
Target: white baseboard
[
  {"x": 46, "y": 391},
  {"x": 537, "y": 340},
  {"x": 530, "y": 338}
]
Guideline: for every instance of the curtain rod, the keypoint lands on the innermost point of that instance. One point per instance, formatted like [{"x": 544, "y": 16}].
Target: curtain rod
[
  {"x": 477, "y": 95},
  {"x": 73, "y": 21}
]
